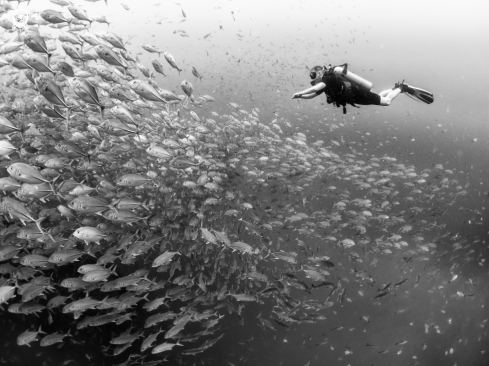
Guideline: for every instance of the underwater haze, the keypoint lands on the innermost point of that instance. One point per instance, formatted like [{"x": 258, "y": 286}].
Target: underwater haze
[{"x": 164, "y": 200}]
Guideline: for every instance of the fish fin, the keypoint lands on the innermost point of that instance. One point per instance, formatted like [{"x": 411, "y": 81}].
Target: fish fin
[
  {"x": 70, "y": 167},
  {"x": 113, "y": 268},
  {"x": 89, "y": 252},
  {"x": 38, "y": 224},
  {"x": 146, "y": 218},
  {"x": 68, "y": 112}
]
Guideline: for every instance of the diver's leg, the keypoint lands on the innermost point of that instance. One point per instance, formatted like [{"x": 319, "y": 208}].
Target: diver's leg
[{"x": 387, "y": 96}]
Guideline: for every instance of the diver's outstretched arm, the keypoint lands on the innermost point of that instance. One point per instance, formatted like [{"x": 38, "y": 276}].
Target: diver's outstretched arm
[
  {"x": 309, "y": 96},
  {"x": 313, "y": 89}
]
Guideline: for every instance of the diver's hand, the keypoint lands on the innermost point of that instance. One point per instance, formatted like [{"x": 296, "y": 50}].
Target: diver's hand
[{"x": 296, "y": 96}]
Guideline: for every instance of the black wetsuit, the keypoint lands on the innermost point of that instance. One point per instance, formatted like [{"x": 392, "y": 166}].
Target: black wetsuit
[{"x": 340, "y": 92}]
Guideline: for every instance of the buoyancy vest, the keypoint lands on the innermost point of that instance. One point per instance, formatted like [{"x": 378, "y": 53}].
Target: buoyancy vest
[{"x": 338, "y": 90}]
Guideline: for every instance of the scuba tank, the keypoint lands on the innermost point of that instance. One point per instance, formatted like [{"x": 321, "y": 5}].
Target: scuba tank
[
  {"x": 342, "y": 72},
  {"x": 342, "y": 85}
]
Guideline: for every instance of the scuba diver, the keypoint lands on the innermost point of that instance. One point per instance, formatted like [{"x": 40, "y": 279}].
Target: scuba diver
[{"x": 343, "y": 87}]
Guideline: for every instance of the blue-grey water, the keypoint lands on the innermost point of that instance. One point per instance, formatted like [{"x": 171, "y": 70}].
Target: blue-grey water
[{"x": 257, "y": 55}]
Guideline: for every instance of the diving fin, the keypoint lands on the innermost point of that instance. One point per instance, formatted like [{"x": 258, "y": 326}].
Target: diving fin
[{"x": 419, "y": 94}]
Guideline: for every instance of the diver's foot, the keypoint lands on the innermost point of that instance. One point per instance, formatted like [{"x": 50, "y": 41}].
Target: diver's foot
[
  {"x": 405, "y": 88},
  {"x": 397, "y": 85}
]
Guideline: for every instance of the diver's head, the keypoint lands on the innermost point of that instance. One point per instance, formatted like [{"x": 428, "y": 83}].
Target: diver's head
[
  {"x": 316, "y": 74},
  {"x": 315, "y": 71}
]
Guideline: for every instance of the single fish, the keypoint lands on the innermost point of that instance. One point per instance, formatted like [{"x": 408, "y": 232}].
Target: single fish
[
  {"x": 53, "y": 17},
  {"x": 109, "y": 56},
  {"x": 86, "y": 92},
  {"x": 10, "y": 47},
  {"x": 28, "y": 337},
  {"x": 79, "y": 14},
  {"x": 382, "y": 294},
  {"x": 146, "y": 91},
  {"x": 196, "y": 73},
  {"x": 113, "y": 39},
  {"x": 151, "y": 49},
  {"x": 171, "y": 60}
]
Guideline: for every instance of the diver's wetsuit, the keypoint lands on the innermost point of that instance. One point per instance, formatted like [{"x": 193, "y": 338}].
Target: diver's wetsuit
[{"x": 341, "y": 92}]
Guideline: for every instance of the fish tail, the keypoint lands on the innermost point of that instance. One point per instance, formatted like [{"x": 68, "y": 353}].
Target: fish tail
[
  {"x": 145, "y": 220},
  {"x": 144, "y": 205},
  {"x": 38, "y": 224},
  {"x": 51, "y": 183},
  {"x": 89, "y": 251},
  {"x": 70, "y": 167},
  {"x": 49, "y": 58},
  {"x": 113, "y": 268},
  {"x": 102, "y": 109}
]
